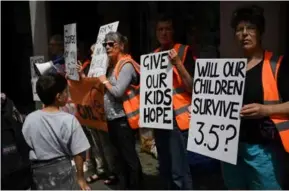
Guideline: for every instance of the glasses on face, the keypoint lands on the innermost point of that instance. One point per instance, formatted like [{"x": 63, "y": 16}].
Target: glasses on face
[
  {"x": 110, "y": 44},
  {"x": 250, "y": 29}
]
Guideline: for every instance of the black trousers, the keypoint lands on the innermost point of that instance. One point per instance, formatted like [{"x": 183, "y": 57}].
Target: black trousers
[{"x": 130, "y": 169}]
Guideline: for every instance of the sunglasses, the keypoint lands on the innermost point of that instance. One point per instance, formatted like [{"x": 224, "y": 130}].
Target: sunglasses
[{"x": 110, "y": 44}]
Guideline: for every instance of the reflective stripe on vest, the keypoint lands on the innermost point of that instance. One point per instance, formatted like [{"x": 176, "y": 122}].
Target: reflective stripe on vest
[
  {"x": 271, "y": 94},
  {"x": 131, "y": 96},
  {"x": 132, "y": 114},
  {"x": 181, "y": 110},
  {"x": 181, "y": 52},
  {"x": 178, "y": 90},
  {"x": 272, "y": 102},
  {"x": 273, "y": 64},
  {"x": 283, "y": 126}
]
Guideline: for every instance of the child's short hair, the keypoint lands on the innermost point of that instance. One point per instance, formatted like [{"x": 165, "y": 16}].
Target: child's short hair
[
  {"x": 166, "y": 17},
  {"x": 48, "y": 86}
]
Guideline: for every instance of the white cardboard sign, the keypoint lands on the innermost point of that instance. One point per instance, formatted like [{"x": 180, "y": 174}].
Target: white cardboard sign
[
  {"x": 99, "y": 60},
  {"x": 34, "y": 77},
  {"x": 156, "y": 92},
  {"x": 215, "y": 114},
  {"x": 70, "y": 51}
]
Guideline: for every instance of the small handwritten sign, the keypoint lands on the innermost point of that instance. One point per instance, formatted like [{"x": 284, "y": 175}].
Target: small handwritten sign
[
  {"x": 70, "y": 51},
  {"x": 99, "y": 60}
]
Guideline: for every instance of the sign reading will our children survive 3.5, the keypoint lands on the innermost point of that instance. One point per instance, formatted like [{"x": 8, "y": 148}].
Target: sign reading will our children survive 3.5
[
  {"x": 217, "y": 100},
  {"x": 70, "y": 51},
  {"x": 34, "y": 77},
  {"x": 156, "y": 110},
  {"x": 99, "y": 60}
]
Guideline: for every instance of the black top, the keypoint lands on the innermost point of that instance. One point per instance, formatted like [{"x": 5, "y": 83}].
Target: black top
[
  {"x": 189, "y": 62},
  {"x": 255, "y": 130}
]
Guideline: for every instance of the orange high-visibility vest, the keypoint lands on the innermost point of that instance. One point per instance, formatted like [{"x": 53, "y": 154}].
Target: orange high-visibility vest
[
  {"x": 131, "y": 98},
  {"x": 85, "y": 64},
  {"x": 270, "y": 70},
  {"x": 181, "y": 98}
]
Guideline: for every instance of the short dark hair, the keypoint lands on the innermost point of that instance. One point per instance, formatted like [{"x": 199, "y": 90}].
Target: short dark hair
[
  {"x": 48, "y": 86},
  {"x": 252, "y": 14},
  {"x": 164, "y": 17},
  {"x": 58, "y": 38}
]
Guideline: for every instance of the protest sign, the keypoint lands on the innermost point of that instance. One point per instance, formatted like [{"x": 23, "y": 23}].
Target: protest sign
[
  {"x": 156, "y": 109},
  {"x": 34, "y": 77},
  {"x": 70, "y": 51},
  {"x": 99, "y": 60},
  {"x": 215, "y": 114},
  {"x": 87, "y": 95}
]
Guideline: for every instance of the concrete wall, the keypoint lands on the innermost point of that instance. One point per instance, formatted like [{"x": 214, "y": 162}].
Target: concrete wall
[
  {"x": 39, "y": 28},
  {"x": 274, "y": 36},
  {"x": 39, "y": 31}
]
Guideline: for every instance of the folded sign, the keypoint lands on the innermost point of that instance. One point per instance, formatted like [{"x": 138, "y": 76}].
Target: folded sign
[{"x": 87, "y": 94}]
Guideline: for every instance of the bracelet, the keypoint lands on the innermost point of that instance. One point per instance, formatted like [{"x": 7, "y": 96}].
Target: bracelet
[{"x": 106, "y": 81}]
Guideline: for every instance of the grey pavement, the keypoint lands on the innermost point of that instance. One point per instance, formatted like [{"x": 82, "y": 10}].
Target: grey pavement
[
  {"x": 204, "y": 178},
  {"x": 149, "y": 166}
]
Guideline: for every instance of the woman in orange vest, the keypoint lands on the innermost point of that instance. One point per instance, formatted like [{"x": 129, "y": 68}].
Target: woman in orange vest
[
  {"x": 264, "y": 130},
  {"x": 121, "y": 108},
  {"x": 172, "y": 144},
  {"x": 102, "y": 153}
]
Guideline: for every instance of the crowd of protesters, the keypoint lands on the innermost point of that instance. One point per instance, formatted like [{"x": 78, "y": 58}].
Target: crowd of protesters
[{"x": 56, "y": 137}]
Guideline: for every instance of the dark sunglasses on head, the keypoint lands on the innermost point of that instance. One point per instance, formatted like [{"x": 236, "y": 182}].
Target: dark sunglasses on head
[{"x": 110, "y": 44}]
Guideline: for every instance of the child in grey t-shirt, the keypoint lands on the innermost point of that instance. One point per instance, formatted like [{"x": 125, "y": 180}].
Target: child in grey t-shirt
[{"x": 54, "y": 138}]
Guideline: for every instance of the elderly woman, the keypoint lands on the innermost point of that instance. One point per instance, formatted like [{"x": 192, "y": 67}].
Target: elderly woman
[
  {"x": 102, "y": 154},
  {"x": 264, "y": 130},
  {"x": 122, "y": 75}
]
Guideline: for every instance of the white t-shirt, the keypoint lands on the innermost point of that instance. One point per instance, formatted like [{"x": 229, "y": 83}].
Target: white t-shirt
[{"x": 53, "y": 135}]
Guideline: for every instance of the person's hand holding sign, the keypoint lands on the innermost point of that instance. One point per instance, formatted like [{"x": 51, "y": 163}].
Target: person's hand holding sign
[
  {"x": 79, "y": 67},
  {"x": 255, "y": 110},
  {"x": 173, "y": 56},
  {"x": 103, "y": 79},
  {"x": 184, "y": 76},
  {"x": 80, "y": 70}
]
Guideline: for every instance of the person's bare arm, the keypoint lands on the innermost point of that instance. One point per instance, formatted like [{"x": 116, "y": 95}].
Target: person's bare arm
[
  {"x": 80, "y": 69},
  {"x": 123, "y": 81},
  {"x": 78, "y": 159},
  {"x": 186, "y": 77},
  {"x": 78, "y": 145},
  {"x": 256, "y": 110}
]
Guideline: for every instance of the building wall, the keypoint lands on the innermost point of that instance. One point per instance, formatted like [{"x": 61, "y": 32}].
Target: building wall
[
  {"x": 16, "y": 48},
  {"x": 39, "y": 28}
]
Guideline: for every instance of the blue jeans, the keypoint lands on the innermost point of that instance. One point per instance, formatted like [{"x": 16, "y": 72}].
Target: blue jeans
[
  {"x": 259, "y": 167},
  {"x": 173, "y": 160}
]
